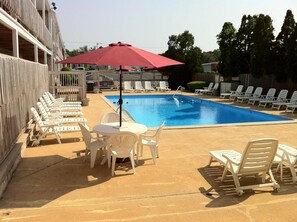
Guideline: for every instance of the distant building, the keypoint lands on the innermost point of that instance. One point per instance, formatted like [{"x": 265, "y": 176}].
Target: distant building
[
  {"x": 210, "y": 67},
  {"x": 29, "y": 30}
]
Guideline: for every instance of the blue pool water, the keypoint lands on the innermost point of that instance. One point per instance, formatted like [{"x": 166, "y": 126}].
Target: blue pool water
[{"x": 180, "y": 110}]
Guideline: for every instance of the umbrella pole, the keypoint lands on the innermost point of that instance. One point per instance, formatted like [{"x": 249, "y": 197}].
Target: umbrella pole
[{"x": 121, "y": 100}]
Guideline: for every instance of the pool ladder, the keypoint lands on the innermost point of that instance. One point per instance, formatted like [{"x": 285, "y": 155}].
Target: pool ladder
[
  {"x": 125, "y": 112},
  {"x": 181, "y": 88}
]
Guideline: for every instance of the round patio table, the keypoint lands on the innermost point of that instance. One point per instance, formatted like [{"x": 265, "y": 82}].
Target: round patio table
[{"x": 108, "y": 129}]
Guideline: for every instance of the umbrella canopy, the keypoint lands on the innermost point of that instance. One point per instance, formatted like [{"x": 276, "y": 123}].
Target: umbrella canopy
[{"x": 121, "y": 54}]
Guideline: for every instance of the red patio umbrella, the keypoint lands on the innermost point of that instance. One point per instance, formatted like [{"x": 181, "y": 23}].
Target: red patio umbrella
[{"x": 121, "y": 54}]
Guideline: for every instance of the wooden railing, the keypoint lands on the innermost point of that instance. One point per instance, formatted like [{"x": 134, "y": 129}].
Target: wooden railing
[
  {"x": 69, "y": 85},
  {"x": 26, "y": 13}
]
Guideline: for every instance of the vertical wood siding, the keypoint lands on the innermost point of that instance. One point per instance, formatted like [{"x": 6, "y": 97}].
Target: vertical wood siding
[{"x": 21, "y": 84}]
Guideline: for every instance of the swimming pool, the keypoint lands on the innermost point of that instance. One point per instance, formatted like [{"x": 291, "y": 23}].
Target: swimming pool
[{"x": 180, "y": 110}]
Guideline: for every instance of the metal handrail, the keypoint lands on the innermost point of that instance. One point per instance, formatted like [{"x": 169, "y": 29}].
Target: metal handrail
[
  {"x": 178, "y": 88},
  {"x": 126, "y": 112}
]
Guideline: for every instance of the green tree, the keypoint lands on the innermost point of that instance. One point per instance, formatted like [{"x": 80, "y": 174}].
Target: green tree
[
  {"x": 226, "y": 41},
  {"x": 262, "y": 46},
  {"x": 80, "y": 50},
  {"x": 244, "y": 44},
  {"x": 281, "y": 47},
  {"x": 181, "y": 48},
  {"x": 211, "y": 56},
  {"x": 292, "y": 55}
]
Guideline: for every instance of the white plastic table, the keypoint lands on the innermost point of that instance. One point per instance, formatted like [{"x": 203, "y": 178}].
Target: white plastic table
[{"x": 108, "y": 129}]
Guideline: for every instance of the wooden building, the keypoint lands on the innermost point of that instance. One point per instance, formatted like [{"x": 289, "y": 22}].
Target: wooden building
[{"x": 30, "y": 46}]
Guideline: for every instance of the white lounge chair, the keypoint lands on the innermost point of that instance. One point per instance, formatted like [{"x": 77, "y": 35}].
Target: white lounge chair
[
  {"x": 60, "y": 105},
  {"x": 128, "y": 87},
  {"x": 255, "y": 95},
  {"x": 289, "y": 156},
  {"x": 139, "y": 87},
  {"x": 248, "y": 92},
  {"x": 237, "y": 92},
  {"x": 121, "y": 145},
  {"x": 213, "y": 90},
  {"x": 291, "y": 107},
  {"x": 148, "y": 86},
  {"x": 51, "y": 96},
  {"x": 51, "y": 127},
  {"x": 57, "y": 117},
  {"x": 256, "y": 159},
  {"x": 163, "y": 86},
  {"x": 282, "y": 96},
  {"x": 200, "y": 91},
  {"x": 60, "y": 111},
  {"x": 278, "y": 105},
  {"x": 270, "y": 95},
  {"x": 92, "y": 144},
  {"x": 152, "y": 141}
]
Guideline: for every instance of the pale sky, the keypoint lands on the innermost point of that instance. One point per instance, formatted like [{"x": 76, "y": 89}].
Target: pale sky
[{"x": 147, "y": 24}]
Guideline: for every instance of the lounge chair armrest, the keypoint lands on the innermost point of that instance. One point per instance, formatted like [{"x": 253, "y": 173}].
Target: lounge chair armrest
[
  {"x": 288, "y": 150},
  {"x": 232, "y": 159},
  {"x": 148, "y": 137},
  {"x": 51, "y": 123}
]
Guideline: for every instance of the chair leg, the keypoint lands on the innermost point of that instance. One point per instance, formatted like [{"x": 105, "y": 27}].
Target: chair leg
[
  {"x": 93, "y": 157},
  {"x": 108, "y": 153},
  {"x": 153, "y": 152},
  {"x": 114, "y": 157},
  {"x": 237, "y": 184},
  {"x": 137, "y": 152},
  {"x": 86, "y": 154},
  {"x": 141, "y": 149},
  {"x": 57, "y": 136},
  {"x": 224, "y": 173},
  {"x": 132, "y": 162},
  {"x": 292, "y": 169}
]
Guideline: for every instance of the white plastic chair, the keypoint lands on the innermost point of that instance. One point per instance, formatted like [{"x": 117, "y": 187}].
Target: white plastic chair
[
  {"x": 255, "y": 95},
  {"x": 248, "y": 92},
  {"x": 278, "y": 105},
  {"x": 148, "y": 86},
  {"x": 121, "y": 145},
  {"x": 139, "y": 87},
  {"x": 110, "y": 118},
  {"x": 128, "y": 87},
  {"x": 213, "y": 90},
  {"x": 289, "y": 156},
  {"x": 237, "y": 92},
  {"x": 51, "y": 127},
  {"x": 163, "y": 86},
  {"x": 152, "y": 141},
  {"x": 282, "y": 96},
  {"x": 257, "y": 158},
  {"x": 55, "y": 110},
  {"x": 60, "y": 105},
  {"x": 200, "y": 91},
  {"x": 92, "y": 144},
  {"x": 51, "y": 96},
  {"x": 291, "y": 107},
  {"x": 269, "y": 96},
  {"x": 57, "y": 117}
]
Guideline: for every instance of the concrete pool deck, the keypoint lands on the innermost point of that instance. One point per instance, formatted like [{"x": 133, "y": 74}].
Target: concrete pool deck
[{"x": 52, "y": 183}]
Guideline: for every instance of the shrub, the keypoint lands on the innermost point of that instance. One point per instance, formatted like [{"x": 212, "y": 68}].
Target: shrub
[
  {"x": 66, "y": 68},
  {"x": 196, "y": 85}
]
